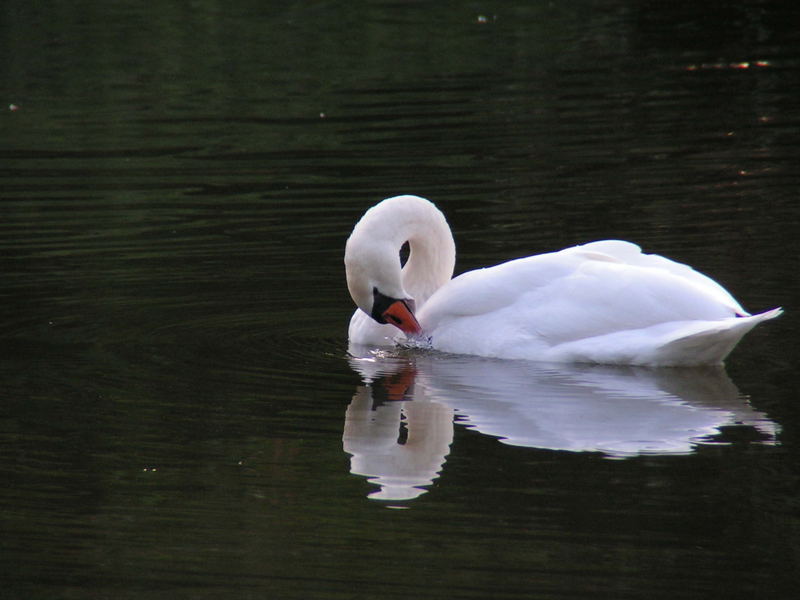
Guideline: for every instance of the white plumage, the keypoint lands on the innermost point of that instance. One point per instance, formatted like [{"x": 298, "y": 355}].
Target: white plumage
[{"x": 602, "y": 302}]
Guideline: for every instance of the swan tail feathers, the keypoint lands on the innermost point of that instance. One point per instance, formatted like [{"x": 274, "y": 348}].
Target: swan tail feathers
[
  {"x": 712, "y": 343},
  {"x": 674, "y": 344},
  {"x": 768, "y": 314}
]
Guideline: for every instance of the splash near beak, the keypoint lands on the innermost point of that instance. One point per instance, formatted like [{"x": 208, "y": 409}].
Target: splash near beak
[{"x": 399, "y": 314}]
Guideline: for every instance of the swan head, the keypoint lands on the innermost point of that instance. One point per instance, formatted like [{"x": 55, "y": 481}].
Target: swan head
[
  {"x": 378, "y": 284},
  {"x": 374, "y": 280}
]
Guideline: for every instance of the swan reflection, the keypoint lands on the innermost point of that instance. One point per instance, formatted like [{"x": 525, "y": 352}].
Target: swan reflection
[{"x": 399, "y": 426}]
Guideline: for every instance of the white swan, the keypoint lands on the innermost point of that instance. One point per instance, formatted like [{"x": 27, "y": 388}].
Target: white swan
[{"x": 603, "y": 302}]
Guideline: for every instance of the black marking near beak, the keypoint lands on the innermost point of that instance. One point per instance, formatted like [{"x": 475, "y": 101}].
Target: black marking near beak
[{"x": 395, "y": 311}]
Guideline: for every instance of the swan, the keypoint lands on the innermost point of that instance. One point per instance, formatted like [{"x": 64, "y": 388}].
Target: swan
[{"x": 602, "y": 302}]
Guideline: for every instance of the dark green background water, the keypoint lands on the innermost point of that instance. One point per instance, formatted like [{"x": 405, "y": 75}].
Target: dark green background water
[{"x": 177, "y": 181}]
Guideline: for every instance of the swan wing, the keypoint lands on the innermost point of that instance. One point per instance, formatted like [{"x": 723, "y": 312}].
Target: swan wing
[
  {"x": 562, "y": 305},
  {"x": 631, "y": 254}
]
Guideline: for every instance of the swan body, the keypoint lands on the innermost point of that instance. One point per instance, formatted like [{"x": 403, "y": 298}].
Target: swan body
[{"x": 602, "y": 302}]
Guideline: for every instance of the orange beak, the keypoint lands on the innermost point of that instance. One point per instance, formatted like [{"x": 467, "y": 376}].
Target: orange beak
[{"x": 400, "y": 315}]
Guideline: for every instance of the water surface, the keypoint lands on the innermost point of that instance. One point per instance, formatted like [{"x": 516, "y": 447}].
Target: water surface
[{"x": 180, "y": 415}]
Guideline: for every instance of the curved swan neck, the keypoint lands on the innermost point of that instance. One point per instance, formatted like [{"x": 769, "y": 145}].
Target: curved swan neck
[
  {"x": 432, "y": 252},
  {"x": 372, "y": 254}
]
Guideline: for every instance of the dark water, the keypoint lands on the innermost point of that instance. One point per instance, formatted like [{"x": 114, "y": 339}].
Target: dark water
[{"x": 179, "y": 414}]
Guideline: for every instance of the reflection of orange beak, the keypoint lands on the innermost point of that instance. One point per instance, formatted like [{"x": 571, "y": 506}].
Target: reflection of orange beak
[
  {"x": 398, "y": 384},
  {"x": 399, "y": 315}
]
